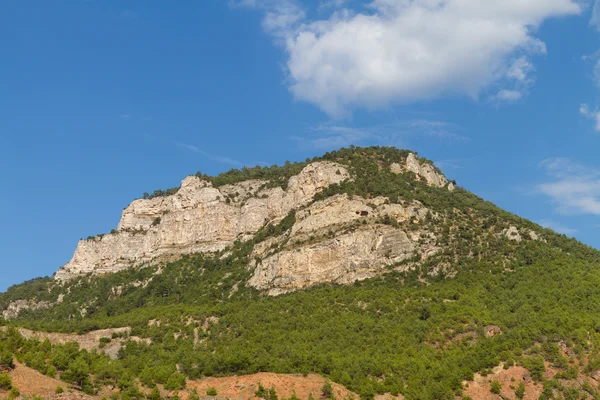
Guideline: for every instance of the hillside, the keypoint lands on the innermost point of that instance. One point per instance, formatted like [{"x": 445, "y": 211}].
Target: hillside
[{"x": 366, "y": 266}]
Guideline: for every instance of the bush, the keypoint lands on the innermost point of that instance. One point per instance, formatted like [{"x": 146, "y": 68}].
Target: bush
[
  {"x": 327, "y": 390},
  {"x": 261, "y": 391},
  {"x": 520, "y": 390},
  {"x": 272, "y": 394},
  {"x": 6, "y": 359},
  {"x": 5, "y": 382},
  {"x": 155, "y": 394},
  {"x": 51, "y": 371},
  {"x": 59, "y": 390},
  {"x": 536, "y": 367},
  {"x": 14, "y": 393},
  {"x": 176, "y": 381},
  {"x": 211, "y": 391},
  {"x": 495, "y": 387}
]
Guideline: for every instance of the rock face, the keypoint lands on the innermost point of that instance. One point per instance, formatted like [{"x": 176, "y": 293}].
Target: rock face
[
  {"x": 198, "y": 218},
  {"x": 338, "y": 240},
  {"x": 512, "y": 233},
  {"x": 16, "y": 307},
  {"x": 423, "y": 171}
]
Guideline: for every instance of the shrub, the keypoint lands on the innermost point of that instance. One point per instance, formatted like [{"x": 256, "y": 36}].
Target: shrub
[
  {"x": 59, "y": 390},
  {"x": 14, "y": 393},
  {"x": 272, "y": 395},
  {"x": 261, "y": 391},
  {"x": 211, "y": 391},
  {"x": 51, "y": 371},
  {"x": 194, "y": 395},
  {"x": 495, "y": 387},
  {"x": 520, "y": 390},
  {"x": 155, "y": 394},
  {"x": 176, "y": 381},
  {"x": 327, "y": 390},
  {"x": 295, "y": 397},
  {"x": 5, "y": 382},
  {"x": 6, "y": 359},
  {"x": 536, "y": 367}
]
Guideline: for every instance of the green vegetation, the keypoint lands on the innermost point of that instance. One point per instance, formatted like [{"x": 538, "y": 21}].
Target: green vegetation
[
  {"x": 5, "y": 382},
  {"x": 261, "y": 391},
  {"x": 407, "y": 332},
  {"x": 160, "y": 193},
  {"x": 520, "y": 390},
  {"x": 14, "y": 393},
  {"x": 495, "y": 387},
  {"x": 327, "y": 390}
]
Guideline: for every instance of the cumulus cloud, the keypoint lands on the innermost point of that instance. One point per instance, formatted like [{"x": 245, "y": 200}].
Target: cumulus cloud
[
  {"x": 575, "y": 189},
  {"x": 594, "y": 115},
  {"x": 410, "y": 50}
]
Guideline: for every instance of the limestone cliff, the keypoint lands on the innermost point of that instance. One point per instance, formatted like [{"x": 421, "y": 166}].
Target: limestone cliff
[
  {"x": 198, "y": 218},
  {"x": 338, "y": 240},
  {"x": 203, "y": 218}
]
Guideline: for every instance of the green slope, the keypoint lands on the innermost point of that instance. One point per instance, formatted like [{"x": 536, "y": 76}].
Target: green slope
[{"x": 409, "y": 333}]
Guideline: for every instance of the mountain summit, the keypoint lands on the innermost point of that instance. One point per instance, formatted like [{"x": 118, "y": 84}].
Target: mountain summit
[{"x": 366, "y": 265}]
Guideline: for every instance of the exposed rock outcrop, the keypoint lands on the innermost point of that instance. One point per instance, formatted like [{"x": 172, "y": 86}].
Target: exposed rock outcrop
[
  {"x": 424, "y": 171},
  {"x": 330, "y": 243},
  {"x": 198, "y": 218},
  {"x": 16, "y": 307},
  {"x": 512, "y": 233}
]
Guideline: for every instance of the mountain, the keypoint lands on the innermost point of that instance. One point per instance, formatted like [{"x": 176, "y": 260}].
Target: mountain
[{"x": 366, "y": 266}]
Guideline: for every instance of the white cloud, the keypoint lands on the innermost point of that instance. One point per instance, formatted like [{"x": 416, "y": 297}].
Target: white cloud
[
  {"x": 594, "y": 57},
  {"x": 595, "y": 19},
  {"x": 575, "y": 188},
  {"x": 557, "y": 227},
  {"x": 281, "y": 16},
  {"x": 409, "y": 50},
  {"x": 520, "y": 70},
  {"x": 508, "y": 96},
  {"x": 219, "y": 159},
  {"x": 594, "y": 115}
]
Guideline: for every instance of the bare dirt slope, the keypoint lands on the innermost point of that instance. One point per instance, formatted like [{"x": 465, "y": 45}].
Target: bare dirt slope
[
  {"x": 88, "y": 341},
  {"x": 237, "y": 387},
  {"x": 30, "y": 381}
]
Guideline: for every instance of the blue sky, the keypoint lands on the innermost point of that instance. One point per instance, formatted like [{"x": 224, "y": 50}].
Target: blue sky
[{"x": 101, "y": 101}]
